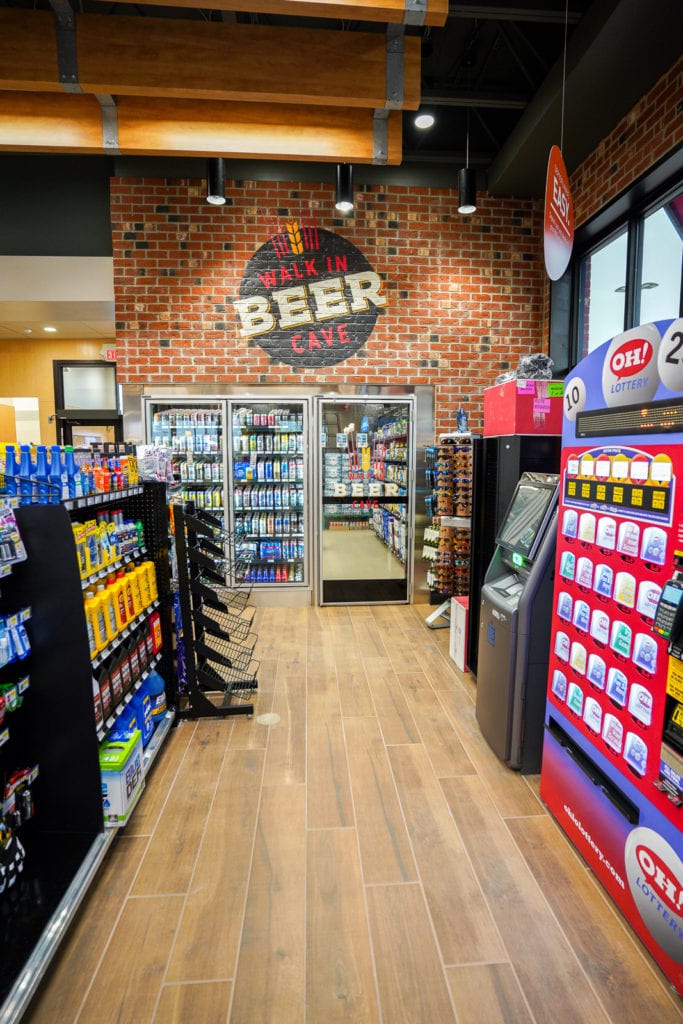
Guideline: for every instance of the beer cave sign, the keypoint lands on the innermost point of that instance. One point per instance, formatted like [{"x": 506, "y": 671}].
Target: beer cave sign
[{"x": 309, "y": 297}]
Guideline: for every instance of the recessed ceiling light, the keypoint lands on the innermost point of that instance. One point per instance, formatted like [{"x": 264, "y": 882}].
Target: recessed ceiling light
[
  {"x": 50, "y": 330},
  {"x": 28, "y": 330},
  {"x": 424, "y": 121}
]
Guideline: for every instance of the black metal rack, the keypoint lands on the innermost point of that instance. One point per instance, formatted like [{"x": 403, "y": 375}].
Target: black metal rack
[{"x": 218, "y": 641}]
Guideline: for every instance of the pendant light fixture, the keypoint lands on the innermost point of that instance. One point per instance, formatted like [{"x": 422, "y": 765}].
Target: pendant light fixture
[
  {"x": 215, "y": 181},
  {"x": 344, "y": 198},
  {"x": 467, "y": 180}
]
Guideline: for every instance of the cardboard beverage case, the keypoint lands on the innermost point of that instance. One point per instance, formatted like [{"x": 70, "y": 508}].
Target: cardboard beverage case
[
  {"x": 523, "y": 407},
  {"x": 123, "y": 779}
]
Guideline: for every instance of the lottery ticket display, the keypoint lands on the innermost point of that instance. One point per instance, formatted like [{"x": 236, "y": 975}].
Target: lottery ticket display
[{"x": 612, "y": 771}]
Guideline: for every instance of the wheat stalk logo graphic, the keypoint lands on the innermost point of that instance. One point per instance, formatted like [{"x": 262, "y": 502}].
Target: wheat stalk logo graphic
[{"x": 294, "y": 235}]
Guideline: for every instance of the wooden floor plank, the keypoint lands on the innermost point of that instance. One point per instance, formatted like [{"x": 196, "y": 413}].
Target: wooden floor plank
[
  {"x": 126, "y": 987},
  {"x": 537, "y": 948},
  {"x": 207, "y": 1002},
  {"x": 395, "y": 720},
  {"x": 209, "y": 937},
  {"x": 164, "y": 772},
  {"x": 180, "y": 829},
  {"x": 385, "y": 850},
  {"x": 462, "y": 920},
  {"x": 270, "y": 978},
  {"x": 487, "y": 993},
  {"x": 286, "y": 751},
  {"x": 354, "y": 693},
  {"x": 447, "y": 754},
  {"x": 622, "y": 978},
  {"x": 74, "y": 965},
  {"x": 329, "y": 791},
  {"x": 412, "y": 986},
  {"x": 340, "y": 982},
  {"x": 507, "y": 789}
]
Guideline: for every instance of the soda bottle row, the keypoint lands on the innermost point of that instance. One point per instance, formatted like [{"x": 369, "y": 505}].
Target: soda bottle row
[
  {"x": 105, "y": 539},
  {"x": 42, "y": 476},
  {"x": 110, "y": 606},
  {"x": 270, "y": 524},
  {"x": 285, "y": 496},
  {"x": 276, "y": 419},
  {"x": 201, "y": 472},
  {"x": 270, "y": 470},
  {"x": 275, "y": 574},
  {"x": 187, "y": 430},
  {"x": 277, "y": 444}
]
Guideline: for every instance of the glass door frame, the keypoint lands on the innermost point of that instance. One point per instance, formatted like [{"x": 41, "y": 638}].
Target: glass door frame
[{"x": 382, "y": 401}]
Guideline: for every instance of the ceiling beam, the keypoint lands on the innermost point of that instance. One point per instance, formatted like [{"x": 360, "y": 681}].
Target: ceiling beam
[
  {"x": 544, "y": 12},
  {"x": 473, "y": 99},
  {"x": 130, "y": 56},
  {"x": 434, "y": 12},
  {"x": 61, "y": 123}
]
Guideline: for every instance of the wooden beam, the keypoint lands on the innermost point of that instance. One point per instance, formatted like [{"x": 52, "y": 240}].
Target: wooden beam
[
  {"x": 391, "y": 11},
  {"x": 128, "y": 56},
  {"x": 73, "y": 124}
]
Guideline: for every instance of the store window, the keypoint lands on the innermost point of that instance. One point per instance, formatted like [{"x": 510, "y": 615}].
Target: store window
[
  {"x": 660, "y": 286},
  {"x": 602, "y": 300},
  {"x": 631, "y": 274}
]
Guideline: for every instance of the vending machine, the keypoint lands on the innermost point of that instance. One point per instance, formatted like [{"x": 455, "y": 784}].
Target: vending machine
[{"x": 612, "y": 770}]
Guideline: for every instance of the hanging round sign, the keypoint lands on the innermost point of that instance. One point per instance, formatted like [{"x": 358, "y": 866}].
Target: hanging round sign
[
  {"x": 558, "y": 221},
  {"x": 309, "y": 297}
]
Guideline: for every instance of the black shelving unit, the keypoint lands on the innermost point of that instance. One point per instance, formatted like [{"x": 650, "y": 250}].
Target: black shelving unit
[
  {"x": 56, "y": 729},
  {"x": 218, "y": 641}
]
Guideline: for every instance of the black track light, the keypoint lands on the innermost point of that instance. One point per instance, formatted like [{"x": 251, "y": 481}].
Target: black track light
[
  {"x": 344, "y": 200},
  {"x": 467, "y": 181},
  {"x": 215, "y": 181}
]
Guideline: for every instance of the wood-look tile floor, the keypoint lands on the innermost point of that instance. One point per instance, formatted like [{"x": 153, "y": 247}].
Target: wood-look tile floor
[{"x": 366, "y": 859}]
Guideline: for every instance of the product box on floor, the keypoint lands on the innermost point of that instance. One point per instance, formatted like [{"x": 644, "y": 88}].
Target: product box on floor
[
  {"x": 123, "y": 780},
  {"x": 523, "y": 407}
]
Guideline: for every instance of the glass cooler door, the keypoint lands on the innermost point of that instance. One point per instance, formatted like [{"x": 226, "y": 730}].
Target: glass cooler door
[
  {"x": 365, "y": 532},
  {"x": 268, "y": 490}
]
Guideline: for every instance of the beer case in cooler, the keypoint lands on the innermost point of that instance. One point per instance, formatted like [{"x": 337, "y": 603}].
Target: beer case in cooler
[{"x": 612, "y": 771}]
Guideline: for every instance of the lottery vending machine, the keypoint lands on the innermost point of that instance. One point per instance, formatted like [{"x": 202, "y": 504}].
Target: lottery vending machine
[{"x": 612, "y": 770}]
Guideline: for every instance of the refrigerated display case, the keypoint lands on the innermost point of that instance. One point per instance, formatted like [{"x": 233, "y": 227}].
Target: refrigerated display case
[
  {"x": 268, "y": 490},
  {"x": 366, "y": 500},
  {"x": 195, "y": 434},
  {"x": 612, "y": 771},
  {"x": 246, "y": 461}
]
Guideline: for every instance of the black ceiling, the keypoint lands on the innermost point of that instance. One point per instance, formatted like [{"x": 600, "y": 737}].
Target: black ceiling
[{"x": 507, "y": 71}]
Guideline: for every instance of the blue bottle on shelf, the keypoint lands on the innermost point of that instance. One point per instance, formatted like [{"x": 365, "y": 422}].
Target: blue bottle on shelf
[
  {"x": 55, "y": 475},
  {"x": 11, "y": 471},
  {"x": 25, "y": 479},
  {"x": 42, "y": 490},
  {"x": 73, "y": 482}
]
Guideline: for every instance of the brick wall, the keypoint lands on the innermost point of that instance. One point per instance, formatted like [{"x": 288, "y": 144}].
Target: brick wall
[
  {"x": 465, "y": 295},
  {"x": 650, "y": 130}
]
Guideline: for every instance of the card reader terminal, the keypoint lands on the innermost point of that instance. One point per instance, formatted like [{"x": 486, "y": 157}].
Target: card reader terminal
[{"x": 668, "y": 621}]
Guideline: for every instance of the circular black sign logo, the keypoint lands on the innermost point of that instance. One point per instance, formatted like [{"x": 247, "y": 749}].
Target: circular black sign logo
[{"x": 309, "y": 297}]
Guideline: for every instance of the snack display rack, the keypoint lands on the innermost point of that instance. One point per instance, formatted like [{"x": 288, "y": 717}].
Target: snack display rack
[
  {"x": 218, "y": 642},
  {"x": 447, "y": 540}
]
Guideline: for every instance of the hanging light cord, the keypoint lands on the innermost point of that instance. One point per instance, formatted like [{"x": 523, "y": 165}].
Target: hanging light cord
[{"x": 564, "y": 72}]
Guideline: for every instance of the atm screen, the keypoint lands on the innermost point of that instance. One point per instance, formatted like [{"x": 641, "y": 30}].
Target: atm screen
[{"x": 528, "y": 512}]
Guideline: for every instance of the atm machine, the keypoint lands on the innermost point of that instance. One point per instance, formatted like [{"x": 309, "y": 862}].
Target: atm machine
[{"x": 514, "y": 625}]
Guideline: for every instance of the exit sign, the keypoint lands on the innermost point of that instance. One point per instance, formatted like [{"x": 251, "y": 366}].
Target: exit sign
[{"x": 108, "y": 353}]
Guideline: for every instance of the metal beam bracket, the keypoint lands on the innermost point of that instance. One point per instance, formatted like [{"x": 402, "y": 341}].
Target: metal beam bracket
[
  {"x": 110, "y": 122},
  {"x": 394, "y": 67},
  {"x": 380, "y": 136},
  {"x": 67, "y": 59},
  {"x": 415, "y": 12}
]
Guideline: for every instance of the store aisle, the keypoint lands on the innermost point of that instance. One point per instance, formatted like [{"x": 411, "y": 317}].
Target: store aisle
[
  {"x": 366, "y": 859},
  {"x": 358, "y": 555}
]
